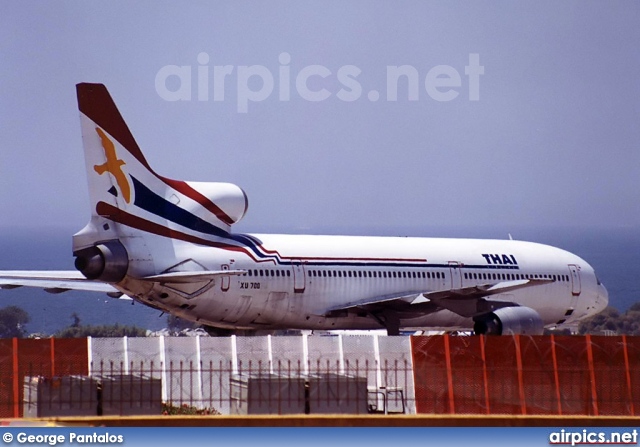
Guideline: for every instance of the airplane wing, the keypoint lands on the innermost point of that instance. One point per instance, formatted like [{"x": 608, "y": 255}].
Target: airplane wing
[
  {"x": 471, "y": 301},
  {"x": 466, "y": 301},
  {"x": 54, "y": 281}
]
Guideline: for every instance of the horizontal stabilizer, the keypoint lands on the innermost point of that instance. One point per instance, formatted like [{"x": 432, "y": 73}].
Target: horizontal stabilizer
[
  {"x": 53, "y": 281},
  {"x": 71, "y": 275},
  {"x": 186, "y": 277}
]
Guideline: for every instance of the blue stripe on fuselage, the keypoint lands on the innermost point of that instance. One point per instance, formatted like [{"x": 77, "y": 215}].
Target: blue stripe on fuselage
[{"x": 154, "y": 204}]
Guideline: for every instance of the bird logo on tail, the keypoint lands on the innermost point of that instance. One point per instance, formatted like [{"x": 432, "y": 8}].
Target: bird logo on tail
[{"x": 113, "y": 165}]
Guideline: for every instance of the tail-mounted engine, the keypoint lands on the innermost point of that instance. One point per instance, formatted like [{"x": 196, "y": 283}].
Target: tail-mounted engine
[
  {"x": 229, "y": 201},
  {"x": 107, "y": 261},
  {"x": 510, "y": 321}
]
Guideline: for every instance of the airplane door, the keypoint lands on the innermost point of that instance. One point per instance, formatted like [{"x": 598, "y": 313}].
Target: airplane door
[
  {"x": 299, "y": 280},
  {"x": 576, "y": 287},
  {"x": 225, "y": 279},
  {"x": 456, "y": 275}
]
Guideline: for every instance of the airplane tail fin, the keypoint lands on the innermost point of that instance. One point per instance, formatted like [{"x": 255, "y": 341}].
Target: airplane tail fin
[
  {"x": 112, "y": 155},
  {"x": 130, "y": 200}
]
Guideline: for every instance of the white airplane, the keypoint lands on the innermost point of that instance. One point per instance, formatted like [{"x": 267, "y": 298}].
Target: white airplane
[{"x": 168, "y": 244}]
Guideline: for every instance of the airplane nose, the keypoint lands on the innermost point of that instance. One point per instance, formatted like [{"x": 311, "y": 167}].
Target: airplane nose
[{"x": 602, "y": 299}]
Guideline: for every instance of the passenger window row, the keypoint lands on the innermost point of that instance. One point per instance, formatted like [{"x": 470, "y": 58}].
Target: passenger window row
[
  {"x": 403, "y": 274},
  {"x": 514, "y": 276},
  {"x": 268, "y": 272},
  {"x": 346, "y": 274},
  {"x": 374, "y": 274}
]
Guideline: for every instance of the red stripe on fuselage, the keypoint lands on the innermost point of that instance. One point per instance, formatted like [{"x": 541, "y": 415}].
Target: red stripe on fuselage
[
  {"x": 193, "y": 194},
  {"x": 111, "y": 212}
]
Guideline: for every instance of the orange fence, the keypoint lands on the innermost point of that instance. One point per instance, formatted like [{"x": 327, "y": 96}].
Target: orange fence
[
  {"x": 549, "y": 375},
  {"x": 520, "y": 375},
  {"x": 30, "y": 357}
]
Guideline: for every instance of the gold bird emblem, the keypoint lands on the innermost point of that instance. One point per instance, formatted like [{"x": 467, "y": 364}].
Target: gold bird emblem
[{"x": 113, "y": 165}]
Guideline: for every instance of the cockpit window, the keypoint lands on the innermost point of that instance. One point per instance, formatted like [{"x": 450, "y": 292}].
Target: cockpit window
[{"x": 598, "y": 280}]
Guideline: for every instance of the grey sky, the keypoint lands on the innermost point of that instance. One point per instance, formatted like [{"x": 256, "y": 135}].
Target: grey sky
[{"x": 552, "y": 140}]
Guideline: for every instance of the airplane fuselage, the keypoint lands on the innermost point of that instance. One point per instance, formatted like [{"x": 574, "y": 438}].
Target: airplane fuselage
[{"x": 291, "y": 280}]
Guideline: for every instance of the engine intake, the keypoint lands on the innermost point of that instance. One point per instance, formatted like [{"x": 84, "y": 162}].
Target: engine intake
[
  {"x": 107, "y": 261},
  {"x": 510, "y": 321}
]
